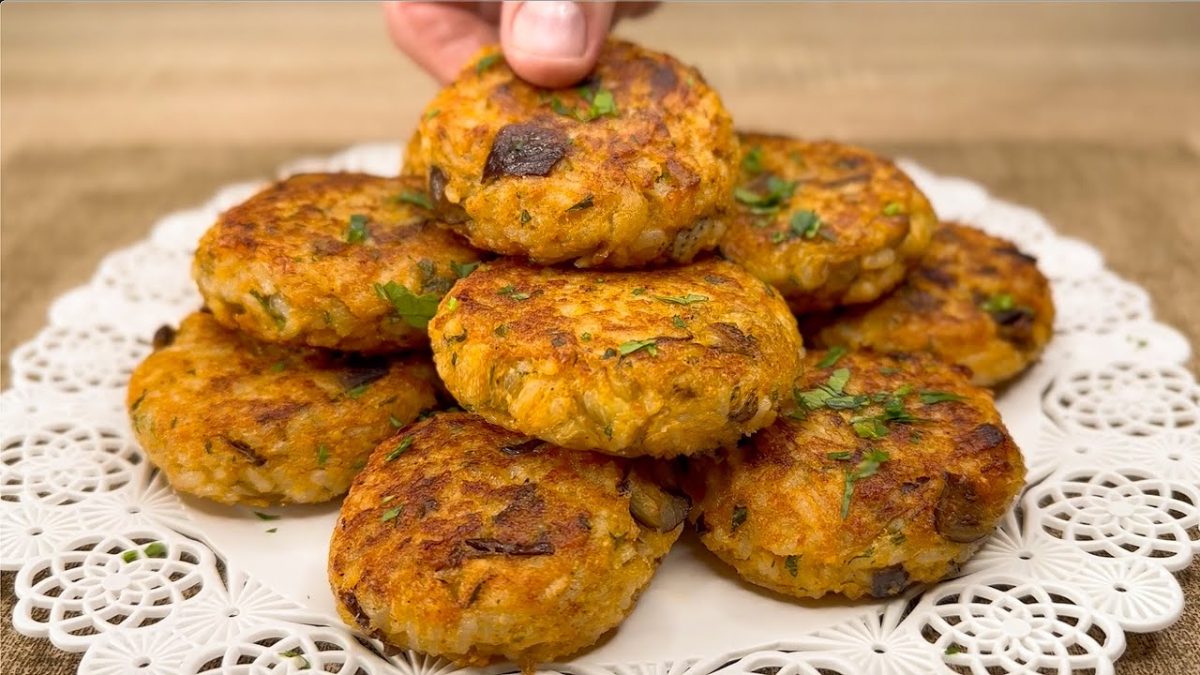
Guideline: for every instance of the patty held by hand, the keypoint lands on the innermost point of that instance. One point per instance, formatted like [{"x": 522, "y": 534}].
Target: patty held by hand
[{"x": 635, "y": 166}]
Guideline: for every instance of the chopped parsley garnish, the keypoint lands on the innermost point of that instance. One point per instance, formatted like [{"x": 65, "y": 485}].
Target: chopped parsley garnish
[
  {"x": 778, "y": 192},
  {"x": 415, "y": 310},
  {"x": 416, "y": 198},
  {"x": 452, "y": 304},
  {"x": 816, "y": 398},
  {"x": 752, "y": 160},
  {"x": 268, "y": 303},
  {"x": 272, "y": 530},
  {"x": 525, "y": 217},
  {"x": 831, "y": 357},
  {"x": 840, "y": 456},
  {"x": 266, "y": 516},
  {"x": 1001, "y": 302},
  {"x": 866, "y": 468},
  {"x": 601, "y": 102},
  {"x": 791, "y": 563},
  {"x": 585, "y": 203},
  {"x": 627, "y": 348},
  {"x": 295, "y": 653},
  {"x": 488, "y": 61},
  {"x": 400, "y": 449},
  {"x": 931, "y": 397},
  {"x": 678, "y": 322},
  {"x": 740, "y": 513},
  {"x": 279, "y": 367},
  {"x": 682, "y": 299},
  {"x": 805, "y": 224},
  {"x": 639, "y": 291},
  {"x": 131, "y": 555},
  {"x": 954, "y": 649},
  {"x": 395, "y": 421},
  {"x": 356, "y": 392},
  {"x": 461, "y": 270},
  {"x": 155, "y": 549},
  {"x": 511, "y": 291},
  {"x": 357, "y": 232},
  {"x": 870, "y": 427},
  {"x": 433, "y": 113},
  {"x": 586, "y": 337},
  {"x": 391, "y": 513},
  {"x": 893, "y": 209},
  {"x": 322, "y": 455}
]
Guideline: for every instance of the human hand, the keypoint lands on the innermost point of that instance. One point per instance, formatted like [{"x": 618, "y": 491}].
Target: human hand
[{"x": 549, "y": 44}]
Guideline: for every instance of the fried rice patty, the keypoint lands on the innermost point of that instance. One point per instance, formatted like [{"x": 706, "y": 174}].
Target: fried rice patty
[
  {"x": 826, "y": 223},
  {"x": 463, "y": 540},
  {"x": 238, "y": 421},
  {"x": 343, "y": 261},
  {"x": 895, "y": 472},
  {"x": 631, "y": 168},
  {"x": 662, "y": 363},
  {"x": 975, "y": 300}
]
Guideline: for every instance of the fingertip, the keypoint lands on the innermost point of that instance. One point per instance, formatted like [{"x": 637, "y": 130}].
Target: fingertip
[
  {"x": 553, "y": 44},
  {"x": 440, "y": 37}
]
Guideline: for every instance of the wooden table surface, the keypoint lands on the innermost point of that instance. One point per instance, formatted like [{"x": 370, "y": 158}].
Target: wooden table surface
[{"x": 115, "y": 114}]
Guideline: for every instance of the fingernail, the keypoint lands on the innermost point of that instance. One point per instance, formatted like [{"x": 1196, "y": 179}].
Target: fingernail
[{"x": 551, "y": 29}]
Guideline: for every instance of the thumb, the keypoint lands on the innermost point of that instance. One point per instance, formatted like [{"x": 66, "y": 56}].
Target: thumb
[{"x": 553, "y": 44}]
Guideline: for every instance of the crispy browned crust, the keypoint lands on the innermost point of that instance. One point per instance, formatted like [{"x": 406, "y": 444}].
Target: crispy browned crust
[
  {"x": 280, "y": 265},
  {"x": 539, "y": 350},
  {"x": 242, "y": 422},
  {"x": 948, "y": 480},
  {"x": 875, "y": 223},
  {"x": 647, "y": 185},
  {"x": 942, "y": 307},
  {"x": 475, "y": 543}
]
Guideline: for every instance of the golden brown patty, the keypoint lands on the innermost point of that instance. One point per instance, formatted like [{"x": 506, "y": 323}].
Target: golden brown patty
[
  {"x": 242, "y": 422},
  {"x": 826, "y": 223},
  {"x": 897, "y": 471},
  {"x": 660, "y": 363},
  {"x": 974, "y": 300},
  {"x": 343, "y": 261},
  {"x": 633, "y": 167},
  {"x": 463, "y": 540}
]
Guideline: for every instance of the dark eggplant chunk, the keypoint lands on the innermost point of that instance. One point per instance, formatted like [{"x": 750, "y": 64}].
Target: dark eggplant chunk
[
  {"x": 889, "y": 581},
  {"x": 956, "y": 516},
  {"x": 163, "y": 337},
  {"x": 449, "y": 212},
  {"x": 657, "y": 509},
  {"x": 524, "y": 150},
  {"x": 497, "y": 547}
]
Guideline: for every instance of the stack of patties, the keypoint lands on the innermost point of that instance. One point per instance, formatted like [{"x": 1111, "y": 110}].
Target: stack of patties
[
  {"x": 626, "y": 354},
  {"x": 311, "y": 349}
]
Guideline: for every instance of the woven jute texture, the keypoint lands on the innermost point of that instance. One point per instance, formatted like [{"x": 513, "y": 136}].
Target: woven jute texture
[{"x": 63, "y": 210}]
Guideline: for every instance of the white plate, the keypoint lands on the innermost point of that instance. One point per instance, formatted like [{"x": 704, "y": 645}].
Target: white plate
[{"x": 1109, "y": 422}]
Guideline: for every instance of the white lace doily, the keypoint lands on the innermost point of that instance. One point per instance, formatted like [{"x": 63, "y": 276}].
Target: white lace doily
[{"x": 110, "y": 562}]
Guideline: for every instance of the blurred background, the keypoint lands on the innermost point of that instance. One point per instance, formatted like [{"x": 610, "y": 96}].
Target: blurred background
[{"x": 113, "y": 114}]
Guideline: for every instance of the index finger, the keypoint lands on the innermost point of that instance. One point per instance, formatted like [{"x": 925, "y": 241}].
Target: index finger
[{"x": 440, "y": 36}]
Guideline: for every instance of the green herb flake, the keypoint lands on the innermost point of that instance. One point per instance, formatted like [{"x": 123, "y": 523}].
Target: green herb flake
[
  {"x": 134, "y": 406},
  {"x": 779, "y": 237},
  {"x": 832, "y": 357},
  {"x": 585, "y": 203},
  {"x": 395, "y": 421},
  {"x": 678, "y": 322},
  {"x": 871, "y": 427},
  {"x": 1001, "y": 302},
  {"x": 893, "y": 209},
  {"x": 268, "y": 303},
  {"x": 391, "y": 513},
  {"x": 778, "y": 192},
  {"x": 688, "y": 299},
  {"x": 954, "y": 649},
  {"x": 752, "y": 160},
  {"x": 840, "y": 456},
  {"x": 586, "y": 337},
  {"x": 838, "y": 379},
  {"x": 511, "y": 291},
  {"x": 791, "y": 564},
  {"x": 638, "y": 291},
  {"x": 358, "y": 391},
  {"x": 804, "y": 224},
  {"x": 266, "y": 516},
  {"x": 433, "y": 113},
  {"x": 608, "y": 430},
  {"x": 932, "y": 397},
  {"x": 415, "y": 198},
  {"x": 131, "y": 555},
  {"x": 462, "y": 270},
  {"x": 357, "y": 232},
  {"x": 272, "y": 530},
  {"x": 740, "y": 513},
  {"x": 415, "y": 310},
  {"x": 488, "y": 61},
  {"x": 627, "y": 348},
  {"x": 452, "y": 304},
  {"x": 155, "y": 549},
  {"x": 608, "y": 353},
  {"x": 279, "y": 367},
  {"x": 322, "y": 455},
  {"x": 866, "y": 468},
  {"x": 399, "y": 449}
]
